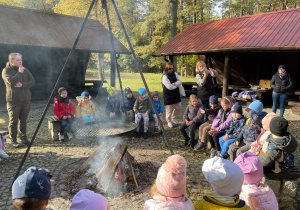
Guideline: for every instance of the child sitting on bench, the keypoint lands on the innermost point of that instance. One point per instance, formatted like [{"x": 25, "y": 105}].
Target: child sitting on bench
[{"x": 85, "y": 108}]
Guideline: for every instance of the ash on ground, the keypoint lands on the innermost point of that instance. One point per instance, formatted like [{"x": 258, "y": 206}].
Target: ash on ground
[{"x": 73, "y": 181}]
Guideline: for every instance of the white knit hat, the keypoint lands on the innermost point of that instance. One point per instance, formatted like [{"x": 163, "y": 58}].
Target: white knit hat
[{"x": 225, "y": 176}]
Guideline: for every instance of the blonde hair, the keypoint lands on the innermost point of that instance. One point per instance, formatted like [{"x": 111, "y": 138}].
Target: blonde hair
[
  {"x": 227, "y": 100},
  {"x": 193, "y": 97},
  {"x": 154, "y": 191},
  {"x": 198, "y": 64},
  {"x": 11, "y": 57}
]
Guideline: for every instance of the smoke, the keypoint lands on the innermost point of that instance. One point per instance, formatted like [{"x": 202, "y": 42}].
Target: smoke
[{"x": 99, "y": 167}]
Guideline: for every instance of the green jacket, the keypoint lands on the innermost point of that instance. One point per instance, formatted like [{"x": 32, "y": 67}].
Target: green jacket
[
  {"x": 12, "y": 76},
  {"x": 142, "y": 106}
]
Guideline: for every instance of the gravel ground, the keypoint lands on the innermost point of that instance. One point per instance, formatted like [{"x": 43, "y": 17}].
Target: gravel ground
[{"x": 62, "y": 158}]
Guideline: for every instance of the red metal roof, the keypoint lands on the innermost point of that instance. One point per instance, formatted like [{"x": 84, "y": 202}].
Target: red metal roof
[
  {"x": 278, "y": 30},
  {"x": 20, "y": 26}
]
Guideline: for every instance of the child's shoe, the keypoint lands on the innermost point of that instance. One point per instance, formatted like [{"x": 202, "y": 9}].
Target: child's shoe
[
  {"x": 3, "y": 154},
  {"x": 156, "y": 130},
  {"x": 138, "y": 134},
  {"x": 70, "y": 136},
  {"x": 199, "y": 146},
  {"x": 61, "y": 137},
  {"x": 192, "y": 144},
  {"x": 170, "y": 125},
  {"x": 186, "y": 142},
  {"x": 25, "y": 141},
  {"x": 213, "y": 152},
  {"x": 145, "y": 135},
  {"x": 175, "y": 121},
  {"x": 14, "y": 143}
]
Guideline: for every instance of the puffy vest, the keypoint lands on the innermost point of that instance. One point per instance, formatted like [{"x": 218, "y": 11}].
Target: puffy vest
[{"x": 171, "y": 96}]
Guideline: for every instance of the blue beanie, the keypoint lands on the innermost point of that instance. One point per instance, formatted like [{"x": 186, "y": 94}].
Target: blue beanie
[
  {"x": 213, "y": 99},
  {"x": 85, "y": 93},
  {"x": 237, "y": 108},
  {"x": 142, "y": 91},
  {"x": 256, "y": 106},
  {"x": 34, "y": 183}
]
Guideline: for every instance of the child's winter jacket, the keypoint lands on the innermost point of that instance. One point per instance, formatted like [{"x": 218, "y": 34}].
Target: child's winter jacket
[
  {"x": 260, "y": 141},
  {"x": 128, "y": 103},
  {"x": 251, "y": 130},
  {"x": 142, "y": 106},
  {"x": 209, "y": 203},
  {"x": 212, "y": 113},
  {"x": 159, "y": 107},
  {"x": 63, "y": 107},
  {"x": 222, "y": 120},
  {"x": 192, "y": 113},
  {"x": 270, "y": 157},
  {"x": 157, "y": 203},
  {"x": 235, "y": 127},
  {"x": 261, "y": 197},
  {"x": 113, "y": 104},
  {"x": 84, "y": 109}
]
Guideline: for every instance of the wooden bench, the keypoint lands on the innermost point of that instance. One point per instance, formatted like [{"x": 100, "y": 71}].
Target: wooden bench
[
  {"x": 295, "y": 103},
  {"x": 54, "y": 127},
  {"x": 293, "y": 174}
]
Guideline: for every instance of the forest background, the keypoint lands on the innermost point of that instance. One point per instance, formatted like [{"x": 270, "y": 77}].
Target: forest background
[{"x": 152, "y": 23}]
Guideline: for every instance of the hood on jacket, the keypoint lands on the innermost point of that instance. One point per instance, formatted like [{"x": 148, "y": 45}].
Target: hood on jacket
[{"x": 286, "y": 143}]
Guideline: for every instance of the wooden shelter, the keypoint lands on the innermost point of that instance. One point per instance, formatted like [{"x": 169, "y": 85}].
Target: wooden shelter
[
  {"x": 45, "y": 39},
  {"x": 243, "y": 49}
]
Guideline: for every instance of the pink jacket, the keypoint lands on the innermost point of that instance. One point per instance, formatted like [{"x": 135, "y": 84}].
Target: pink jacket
[
  {"x": 162, "y": 203},
  {"x": 259, "y": 198},
  {"x": 259, "y": 141}
]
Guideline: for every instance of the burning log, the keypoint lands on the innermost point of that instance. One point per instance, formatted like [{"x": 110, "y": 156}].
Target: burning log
[{"x": 114, "y": 170}]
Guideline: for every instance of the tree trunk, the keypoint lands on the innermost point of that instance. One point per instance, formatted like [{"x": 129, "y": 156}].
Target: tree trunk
[
  {"x": 173, "y": 23},
  {"x": 194, "y": 12}
]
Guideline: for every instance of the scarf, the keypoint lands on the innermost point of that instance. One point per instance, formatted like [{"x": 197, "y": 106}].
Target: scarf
[
  {"x": 223, "y": 199},
  {"x": 282, "y": 75}
]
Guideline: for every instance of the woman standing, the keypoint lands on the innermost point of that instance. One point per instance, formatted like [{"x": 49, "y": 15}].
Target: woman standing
[
  {"x": 171, "y": 83},
  {"x": 281, "y": 83},
  {"x": 205, "y": 82},
  {"x": 17, "y": 80}
]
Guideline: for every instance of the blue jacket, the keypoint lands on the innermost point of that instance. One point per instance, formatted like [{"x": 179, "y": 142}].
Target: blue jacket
[
  {"x": 253, "y": 126},
  {"x": 128, "y": 103},
  {"x": 159, "y": 107},
  {"x": 235, "y": 127},
  {"x": 113, "y": 104}
]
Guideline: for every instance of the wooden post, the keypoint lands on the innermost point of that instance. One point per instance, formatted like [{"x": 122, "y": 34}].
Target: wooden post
[
  {"x": 226, "y": 76},
  {"x": 112, "y": 70},
  {"x": 100, "y": 67}
]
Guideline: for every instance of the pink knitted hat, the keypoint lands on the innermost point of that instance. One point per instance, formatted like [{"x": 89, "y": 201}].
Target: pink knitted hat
[
  {"x": 251, "y": 167},
  {"x": 267, "y": 119},
  {"x": 171, "y": 177}
]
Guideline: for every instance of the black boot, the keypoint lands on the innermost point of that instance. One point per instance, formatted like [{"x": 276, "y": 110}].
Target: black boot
[
  {"x": 25, "y": 141},
  {"x": 186, "y": 142}
]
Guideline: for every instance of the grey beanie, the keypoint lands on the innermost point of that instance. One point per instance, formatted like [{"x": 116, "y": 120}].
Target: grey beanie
[
  {"x": 155, "y": 93},
  {"x": 281, "y": 67},
  {"x": 61, "y": 89}
]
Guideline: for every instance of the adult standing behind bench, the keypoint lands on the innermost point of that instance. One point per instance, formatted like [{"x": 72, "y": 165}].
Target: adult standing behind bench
[
  {"x": 205, "y": 83},
  {"x": 171, "y": 83},
  {"x": 18, "y": 80},
  {"x": 281, "y": 84}
]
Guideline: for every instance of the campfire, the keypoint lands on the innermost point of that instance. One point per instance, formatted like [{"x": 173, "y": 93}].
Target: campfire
[{"x": 113, "y": 168}]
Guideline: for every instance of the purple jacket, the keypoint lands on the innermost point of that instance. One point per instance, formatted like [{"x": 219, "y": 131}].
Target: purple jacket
[{"x": 224, "y": 125}]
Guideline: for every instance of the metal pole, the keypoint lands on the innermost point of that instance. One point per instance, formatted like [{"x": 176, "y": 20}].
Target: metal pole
[
  {"x": 52, "y": 94},
  {"x": 120, "y": 82},
  {"x": 142, "y": 76}
]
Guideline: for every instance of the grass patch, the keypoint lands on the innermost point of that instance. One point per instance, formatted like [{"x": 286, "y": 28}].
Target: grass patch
[{"x": 134, "y": 81}]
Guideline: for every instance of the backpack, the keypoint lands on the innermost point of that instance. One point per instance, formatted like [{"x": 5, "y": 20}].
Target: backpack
[{"x": 287, "y": 160}]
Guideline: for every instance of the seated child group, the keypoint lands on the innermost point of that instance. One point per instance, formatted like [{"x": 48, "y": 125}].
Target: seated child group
[{"x": 252, "y": 144}]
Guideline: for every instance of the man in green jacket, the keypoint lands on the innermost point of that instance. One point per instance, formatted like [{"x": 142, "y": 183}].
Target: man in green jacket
[{"x": 17, "y": 80}]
